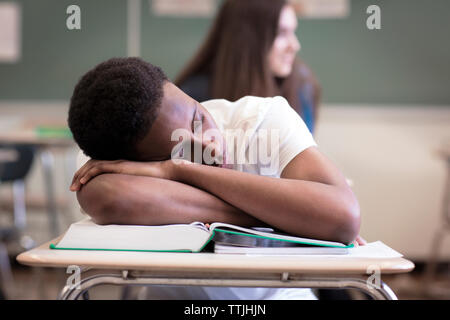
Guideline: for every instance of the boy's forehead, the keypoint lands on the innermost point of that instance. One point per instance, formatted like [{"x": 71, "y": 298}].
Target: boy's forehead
[{"x": 176, "y": 112}]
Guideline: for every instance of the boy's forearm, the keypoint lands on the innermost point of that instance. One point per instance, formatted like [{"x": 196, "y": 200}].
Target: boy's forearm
[
  {"x": 305, "y": 208},
  {"x": 126, "y": 199}
]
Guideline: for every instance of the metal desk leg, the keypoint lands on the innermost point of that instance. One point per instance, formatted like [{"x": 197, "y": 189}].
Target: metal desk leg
[
  {"x": 383, "y": 292},
  {"x": 47, "y": 161},
  {"x": 439, "y": 236}
]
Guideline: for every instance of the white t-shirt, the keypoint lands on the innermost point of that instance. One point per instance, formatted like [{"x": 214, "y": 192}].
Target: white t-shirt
[
  {"x": 268, "y": 134},
  {"x": 267, "y": 131}
]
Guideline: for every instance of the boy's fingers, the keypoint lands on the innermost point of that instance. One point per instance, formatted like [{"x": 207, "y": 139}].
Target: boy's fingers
[
  {"x": 91, "y": 169},
  {"x": 91, "y": 173},
  {"x": 80, "y": 173},
  {"x": 361, "y": 241},
  {"x": 96, "y": 169}
]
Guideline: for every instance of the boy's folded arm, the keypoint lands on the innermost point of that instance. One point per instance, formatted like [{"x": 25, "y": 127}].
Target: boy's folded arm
[
  {"x": 130, "y": 199},
  {"x": 311, "y": 199}
]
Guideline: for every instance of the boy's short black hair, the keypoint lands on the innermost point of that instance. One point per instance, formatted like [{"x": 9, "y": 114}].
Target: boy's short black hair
[{"x": 113, "y": 107}]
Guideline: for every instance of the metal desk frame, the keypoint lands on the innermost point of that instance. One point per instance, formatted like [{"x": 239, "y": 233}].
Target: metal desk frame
[{"x": 280, "y": 280}]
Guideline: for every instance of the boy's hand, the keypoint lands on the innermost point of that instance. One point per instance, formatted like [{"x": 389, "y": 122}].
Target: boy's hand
[
  {"x": 359, "y": 241},
  {"x": 93, "y": 168}
]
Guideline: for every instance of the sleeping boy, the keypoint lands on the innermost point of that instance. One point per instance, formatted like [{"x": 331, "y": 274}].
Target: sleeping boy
[{"x": 153, "y": 155}]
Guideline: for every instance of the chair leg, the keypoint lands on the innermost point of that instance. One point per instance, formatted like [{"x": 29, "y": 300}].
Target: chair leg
[
  {"x": 6, "y": 277},
  {"x": 20, "y": 214},
  {"x": 431, "y": 265},
  {"x": 20, "y": 217},
  {"x": 47, "y": 161}
]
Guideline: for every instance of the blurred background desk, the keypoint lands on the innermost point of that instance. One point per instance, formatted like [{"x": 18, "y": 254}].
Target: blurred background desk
[{"x": 44, "y": 135}]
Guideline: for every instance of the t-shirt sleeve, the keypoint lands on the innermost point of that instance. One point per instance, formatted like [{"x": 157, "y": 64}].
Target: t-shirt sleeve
[{"x": 293, "y": 134}]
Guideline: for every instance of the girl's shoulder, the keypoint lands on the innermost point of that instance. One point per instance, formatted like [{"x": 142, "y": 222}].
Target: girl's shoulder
[{"x": 197, "y": 86}]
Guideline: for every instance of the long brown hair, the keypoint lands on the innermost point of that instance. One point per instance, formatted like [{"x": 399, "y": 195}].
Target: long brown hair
[{"x": 235, "y": 52}]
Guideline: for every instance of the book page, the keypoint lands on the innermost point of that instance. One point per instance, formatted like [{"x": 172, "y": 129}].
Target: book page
[{"x": 375, "y": 250}]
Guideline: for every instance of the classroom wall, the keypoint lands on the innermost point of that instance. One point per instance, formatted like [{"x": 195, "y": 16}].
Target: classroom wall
[
  {"x": 406, "y": 62},
  {"x": 390, "y": 154}
]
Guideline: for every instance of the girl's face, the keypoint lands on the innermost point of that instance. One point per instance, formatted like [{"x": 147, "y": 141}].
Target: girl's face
[{"x": 286, "y": 45}]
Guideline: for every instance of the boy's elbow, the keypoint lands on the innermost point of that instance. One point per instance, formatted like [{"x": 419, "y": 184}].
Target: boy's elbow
[
  {"x": 349, "y": 226},
  {"x": 98, "y": 199}
]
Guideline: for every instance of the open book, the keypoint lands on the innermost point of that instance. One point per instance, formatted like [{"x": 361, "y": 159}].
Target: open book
[{"x": 86, "y": 235}]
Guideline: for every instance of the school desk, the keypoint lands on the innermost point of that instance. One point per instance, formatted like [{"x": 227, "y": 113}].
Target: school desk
[
  {"x": 45, "y": 134},
  {"x": 210, "y": 269}
]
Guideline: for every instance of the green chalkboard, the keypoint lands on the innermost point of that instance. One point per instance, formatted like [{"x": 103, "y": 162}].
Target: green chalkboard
[
  {"x": 53, "y": 57},
  {"x": 406, "y": 62}
]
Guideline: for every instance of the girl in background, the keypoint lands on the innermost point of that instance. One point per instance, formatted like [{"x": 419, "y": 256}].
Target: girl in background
[{"x": 252, "y": 49}]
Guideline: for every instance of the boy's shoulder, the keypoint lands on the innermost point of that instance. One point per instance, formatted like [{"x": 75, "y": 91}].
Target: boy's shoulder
[
  {"x": 248, "y": 109},
  {"x": 246, "y": 103}
]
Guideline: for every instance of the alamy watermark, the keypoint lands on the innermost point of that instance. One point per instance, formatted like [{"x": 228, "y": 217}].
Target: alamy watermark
[
  {"x": 74, "y": 280},
  {"x": 373, "y": 22},
  {"x": 73, "y": 21},
  {"x": 374, "y": 280},
  {"x": 234, "y": 147}
]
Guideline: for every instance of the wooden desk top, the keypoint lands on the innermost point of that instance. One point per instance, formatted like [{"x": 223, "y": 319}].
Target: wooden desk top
[
  {"x": 42, "y": 256},
  {"x": 36, "y": 131}
]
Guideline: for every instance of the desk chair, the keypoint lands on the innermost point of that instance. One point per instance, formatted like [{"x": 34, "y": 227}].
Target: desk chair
[{"x": 15, "y": 163}]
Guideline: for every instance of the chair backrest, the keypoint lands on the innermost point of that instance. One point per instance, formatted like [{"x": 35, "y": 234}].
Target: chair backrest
[{"x": 18, "y": 167}]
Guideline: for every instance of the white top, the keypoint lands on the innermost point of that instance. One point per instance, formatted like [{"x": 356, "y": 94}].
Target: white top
[
  {"x": 270, "y": 134},
  {"x": 268, "y": 129}
]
